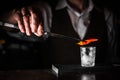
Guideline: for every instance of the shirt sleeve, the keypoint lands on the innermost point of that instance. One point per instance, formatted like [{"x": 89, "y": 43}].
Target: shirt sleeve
[
  {"x": 110, "y": 19},
  {"x": 46, "y": 11}
]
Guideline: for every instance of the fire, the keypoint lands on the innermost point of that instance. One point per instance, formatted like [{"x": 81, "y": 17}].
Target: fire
[{"x": 86, "y": 42}]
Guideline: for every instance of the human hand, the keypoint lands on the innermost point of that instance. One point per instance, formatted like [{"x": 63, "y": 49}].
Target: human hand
[{"x": 29, "y": 20}]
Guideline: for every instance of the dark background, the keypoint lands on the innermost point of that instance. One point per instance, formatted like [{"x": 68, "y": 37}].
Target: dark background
[
  {"x": 21, "y": 54},
  {"x": 9, "y": 4}
]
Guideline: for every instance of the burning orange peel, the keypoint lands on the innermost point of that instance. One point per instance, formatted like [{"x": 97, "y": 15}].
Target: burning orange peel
[{"x": 86, "y": 42}]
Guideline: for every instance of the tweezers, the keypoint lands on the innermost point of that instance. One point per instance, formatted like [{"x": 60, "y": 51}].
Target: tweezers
[{"x": 46, "y": 34}]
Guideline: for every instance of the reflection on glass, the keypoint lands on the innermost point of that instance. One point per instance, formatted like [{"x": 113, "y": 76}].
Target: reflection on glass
[{"x": 88, "y": 77}]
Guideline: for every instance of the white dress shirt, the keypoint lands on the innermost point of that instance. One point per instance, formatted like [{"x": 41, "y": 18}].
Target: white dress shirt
[{"x": 80, "y": 21}]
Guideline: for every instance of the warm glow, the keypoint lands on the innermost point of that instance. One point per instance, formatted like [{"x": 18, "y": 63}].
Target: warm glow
[
  {"x": 86, "y": 42},
  {"x": 2, "y": 41}
]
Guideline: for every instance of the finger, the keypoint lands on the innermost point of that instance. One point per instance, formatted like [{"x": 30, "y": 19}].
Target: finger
[
  {"x": 39, "y": 31},
  {"x": 34, "y": 21},
  {"x": 19, "y": 21},
  {"x": 26, "y": 21},
  {"x": 25, "y": 11},
  {"x": 27, "y": 25}
]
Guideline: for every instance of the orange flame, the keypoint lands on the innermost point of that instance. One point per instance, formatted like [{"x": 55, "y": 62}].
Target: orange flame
[{"x": 86, "y": 42}]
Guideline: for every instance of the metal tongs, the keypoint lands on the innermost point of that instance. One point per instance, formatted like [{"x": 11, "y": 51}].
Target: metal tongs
[{"x": 45, "y": 35}]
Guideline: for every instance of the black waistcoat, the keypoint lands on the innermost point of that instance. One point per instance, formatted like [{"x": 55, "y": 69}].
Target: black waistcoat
[{"x": 66, "y": 51}]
